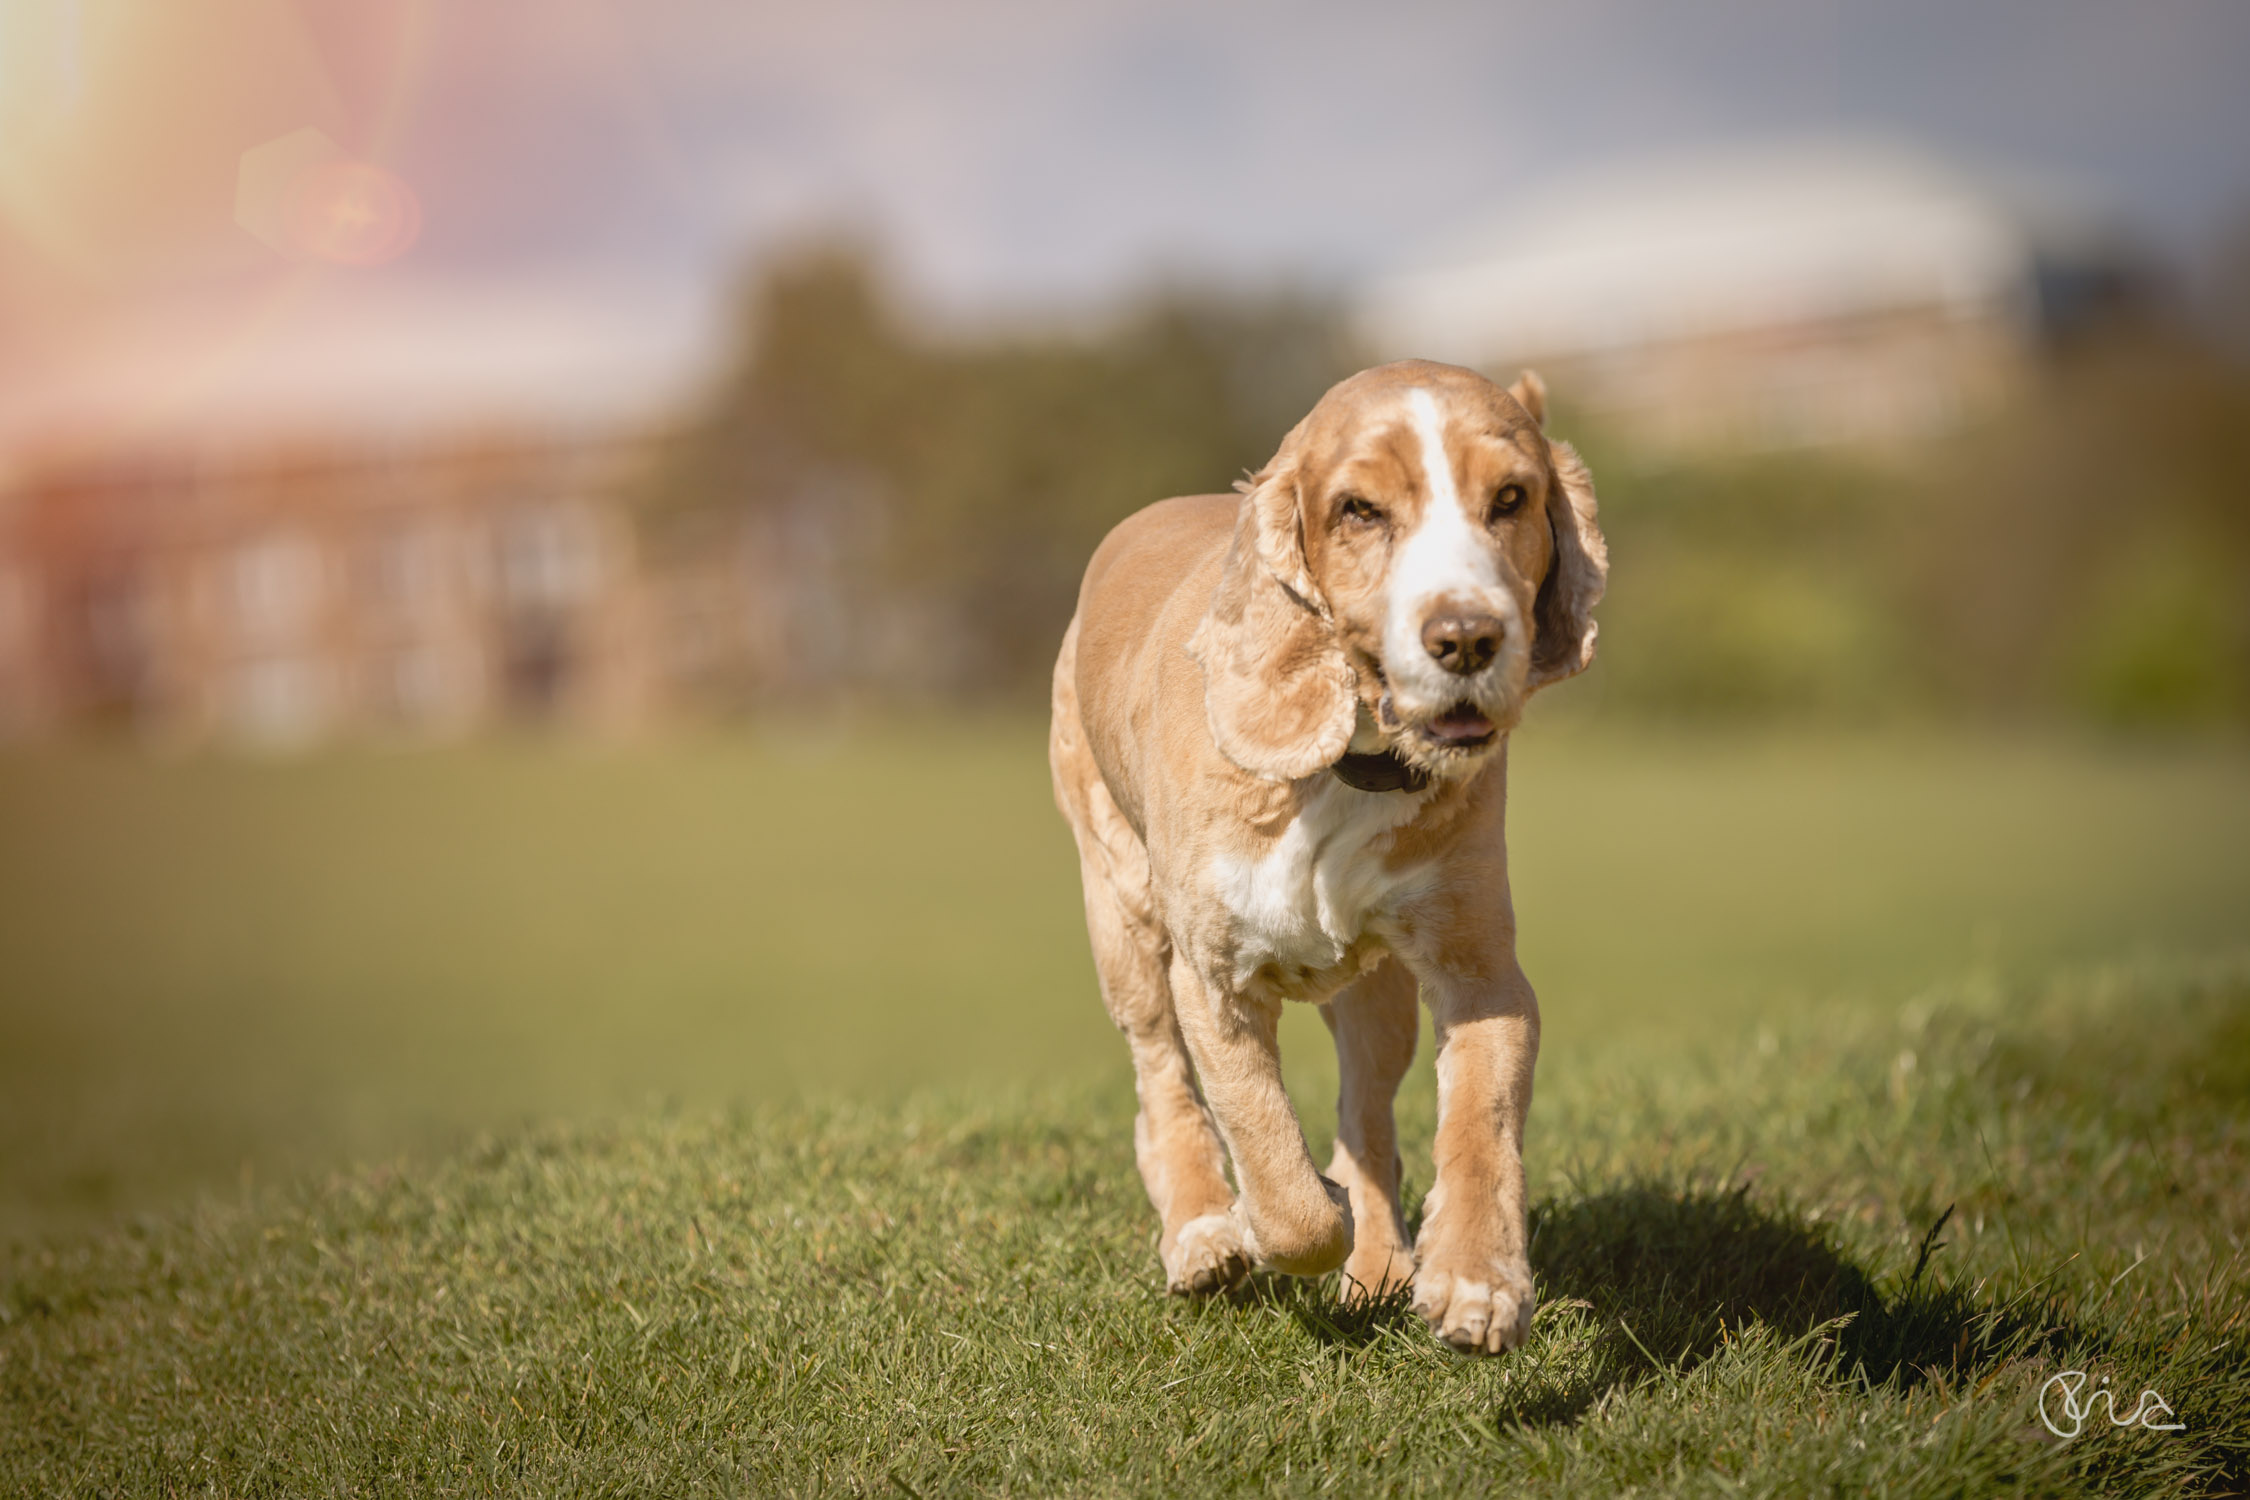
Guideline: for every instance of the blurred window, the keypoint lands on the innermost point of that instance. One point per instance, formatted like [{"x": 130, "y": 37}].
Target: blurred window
[
  {"x": 546, "y": 557},
  {"x": 118, "y": 618},
  {"x": 537, "y": 666},
  {"x": 274, "y": 587},
  {"x": 403, "y": 567}
]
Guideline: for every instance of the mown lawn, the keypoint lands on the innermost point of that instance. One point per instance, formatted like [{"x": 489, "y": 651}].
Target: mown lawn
[
  {"x": 739, "y": 1117},
  {"x": 213, "y": 968},
  {"x": 958, "y": 1295}
]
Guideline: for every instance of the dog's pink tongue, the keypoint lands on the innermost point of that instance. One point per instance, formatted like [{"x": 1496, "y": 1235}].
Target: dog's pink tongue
[{"x": 1460, "y": 722}]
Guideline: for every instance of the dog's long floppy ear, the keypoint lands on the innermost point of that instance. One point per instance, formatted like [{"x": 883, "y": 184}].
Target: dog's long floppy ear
[
  {"x": 1564, "y": 610},
  {"x": 1280, "y": 695}
]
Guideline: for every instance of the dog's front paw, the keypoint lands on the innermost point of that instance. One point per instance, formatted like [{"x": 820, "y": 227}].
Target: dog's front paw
[
  {"x": 1483, "y": 1308},
  {"x": 1209, "y": 1254}
]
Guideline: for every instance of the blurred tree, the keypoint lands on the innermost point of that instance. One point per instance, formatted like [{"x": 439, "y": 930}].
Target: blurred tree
[
  {"x": 909, "y": 516},
  {"x": 2229, "y": 290},
  {"x": 1743, "y": 588},
  {"x": 2088, "y": 552},
  {"x": 990, "y": 470}
]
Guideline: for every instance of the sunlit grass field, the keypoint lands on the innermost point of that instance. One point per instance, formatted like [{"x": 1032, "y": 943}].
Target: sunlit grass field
[
  {"x": 210, "y": 967},
  {"x": 739, "y": 1115}
]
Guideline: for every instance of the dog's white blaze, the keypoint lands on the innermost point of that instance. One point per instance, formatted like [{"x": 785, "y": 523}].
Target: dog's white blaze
[
  {"x": 1446, "y": 556},
  {"x": 1308, "y": 898}
]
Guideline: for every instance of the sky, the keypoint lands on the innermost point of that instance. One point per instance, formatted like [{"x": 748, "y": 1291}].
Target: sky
[{"x": 576, "y": 188}]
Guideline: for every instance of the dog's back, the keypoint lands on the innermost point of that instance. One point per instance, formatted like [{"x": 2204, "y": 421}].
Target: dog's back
[{"x": 1148, "y": 583}]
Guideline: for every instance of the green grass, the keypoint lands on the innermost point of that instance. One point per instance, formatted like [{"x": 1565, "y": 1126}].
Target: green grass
[
  {"x": 212, "y": 967},
  {"x": 739, "y": 1117},
  {"x": 959, "y": 1295}
]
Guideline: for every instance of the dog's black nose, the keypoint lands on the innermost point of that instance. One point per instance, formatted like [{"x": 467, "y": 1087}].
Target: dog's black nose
[{"x": 1463, "y": 643}]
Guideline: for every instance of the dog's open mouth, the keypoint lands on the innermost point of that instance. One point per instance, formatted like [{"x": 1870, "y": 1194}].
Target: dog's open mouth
[{"x": 1461, "y": 727}]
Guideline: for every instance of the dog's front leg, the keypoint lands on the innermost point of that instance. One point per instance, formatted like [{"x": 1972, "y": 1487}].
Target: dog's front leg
[
  {"x": 1298, "y": 1221},
  {"x": 1472, "y": 1281},
  {"x": 1374, "y": 1020}
]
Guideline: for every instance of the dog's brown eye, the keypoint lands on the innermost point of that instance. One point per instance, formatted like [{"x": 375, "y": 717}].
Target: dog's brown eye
[
  {"x": 1507, "y": 502},
  {"x": 1362, "y": 511}
]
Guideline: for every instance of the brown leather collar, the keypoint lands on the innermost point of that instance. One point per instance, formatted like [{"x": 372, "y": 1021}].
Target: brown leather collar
[{"x": 1382, "y": 771}]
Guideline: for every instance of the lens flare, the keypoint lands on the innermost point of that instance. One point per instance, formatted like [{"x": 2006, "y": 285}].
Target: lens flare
[{"x": 352, "y": 213}]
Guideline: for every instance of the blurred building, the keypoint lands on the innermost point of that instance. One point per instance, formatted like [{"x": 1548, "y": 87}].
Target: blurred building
[
  {"x": 775, "y": 603},
  {"x": 1810, "y": 295},
  {"x": 279, "y": 596}
]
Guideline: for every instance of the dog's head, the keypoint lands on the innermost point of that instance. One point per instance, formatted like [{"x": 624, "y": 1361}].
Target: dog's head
[{"x": 1415, "y": 562}]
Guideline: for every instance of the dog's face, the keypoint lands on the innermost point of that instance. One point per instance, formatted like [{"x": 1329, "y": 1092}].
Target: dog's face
[
  {"x": 1418, "y": 531},
  {"x": 1423, "y": 506}
]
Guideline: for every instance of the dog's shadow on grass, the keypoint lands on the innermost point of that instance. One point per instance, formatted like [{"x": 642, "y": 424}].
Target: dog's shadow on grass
[{"x": 1666, "y": 1271}]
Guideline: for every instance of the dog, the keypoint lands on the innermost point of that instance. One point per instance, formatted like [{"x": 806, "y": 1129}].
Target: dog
[{"x": 1280, "y": 737}]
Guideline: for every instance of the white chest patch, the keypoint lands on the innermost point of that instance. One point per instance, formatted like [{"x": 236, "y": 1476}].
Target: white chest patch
[{"x": 1316, "y": 890}]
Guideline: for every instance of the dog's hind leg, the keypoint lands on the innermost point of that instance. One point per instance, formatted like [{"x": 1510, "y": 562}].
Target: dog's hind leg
[
  {"x": 1202, "y": 1247},
  {"x": 1374, "y": 1021}
]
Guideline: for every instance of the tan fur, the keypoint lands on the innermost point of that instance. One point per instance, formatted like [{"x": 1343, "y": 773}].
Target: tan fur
[
  {"x": 1225, "y": 652},
  {"x": 1574, "y": 586},
  {"x": 1279, "y": 695}
]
